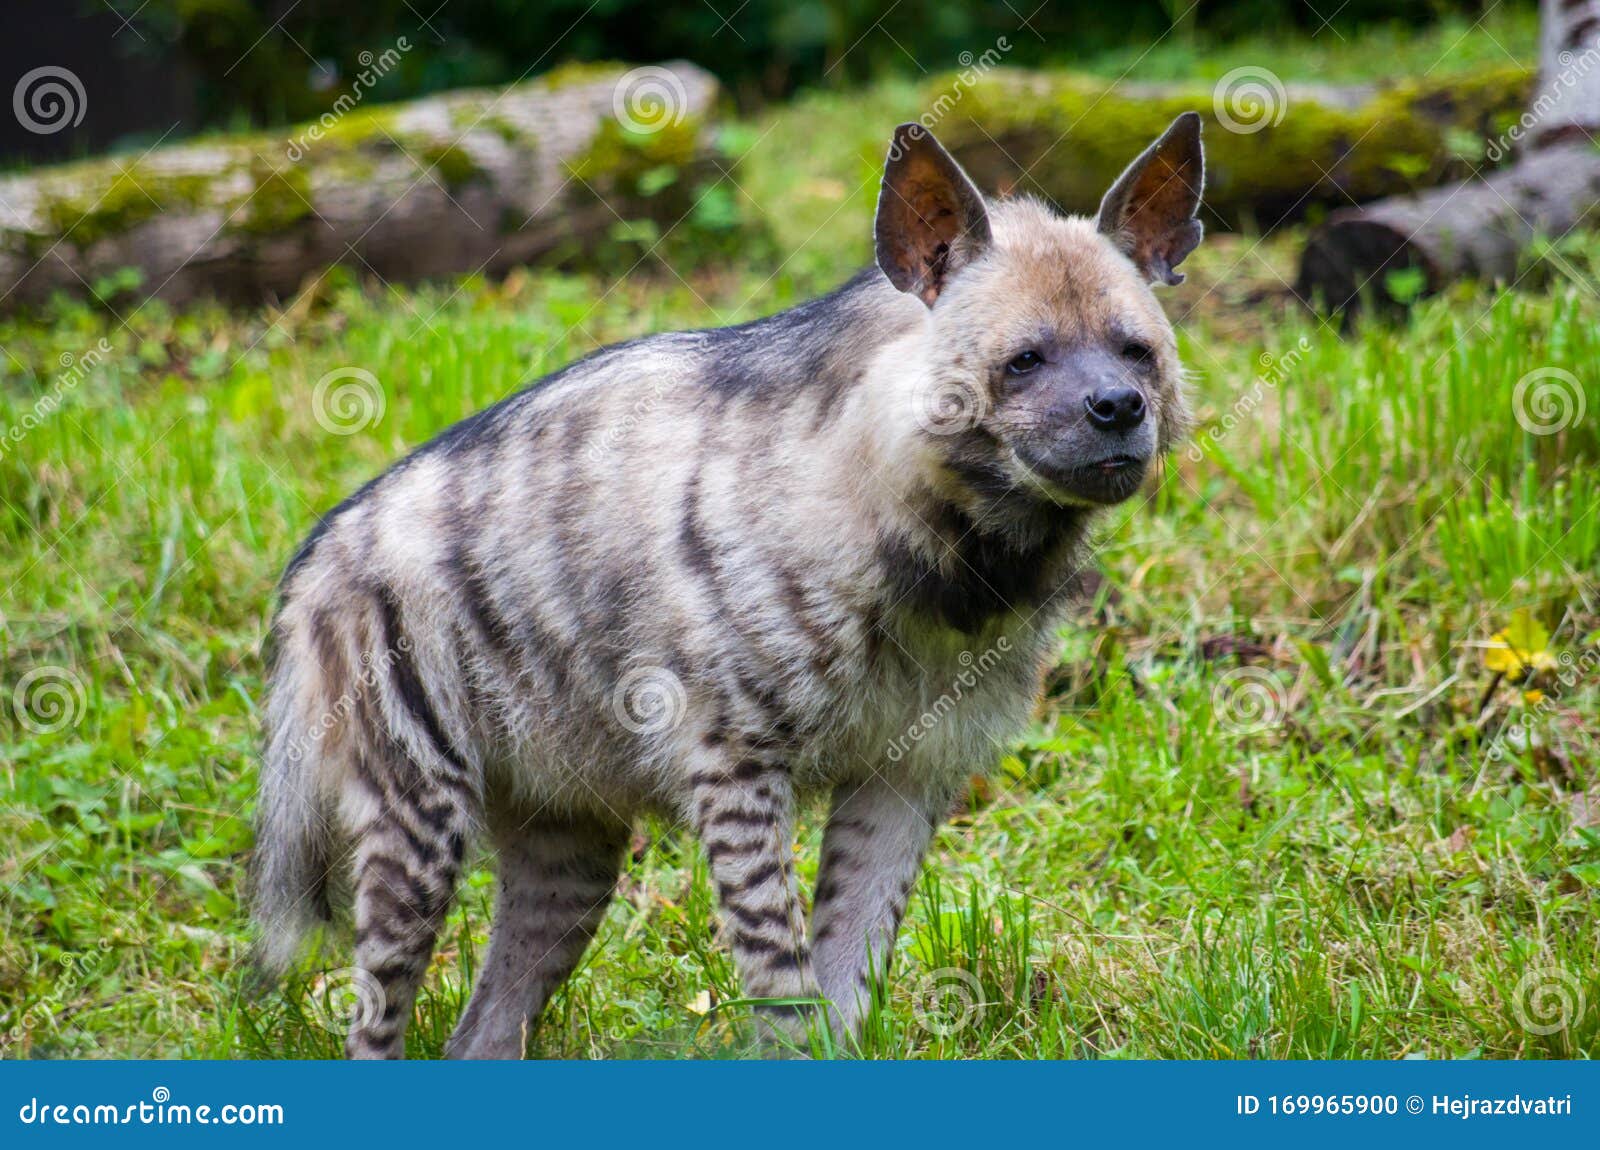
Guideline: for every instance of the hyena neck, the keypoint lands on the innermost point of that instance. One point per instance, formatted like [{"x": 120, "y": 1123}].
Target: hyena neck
[{"x": 958, "y": 544}]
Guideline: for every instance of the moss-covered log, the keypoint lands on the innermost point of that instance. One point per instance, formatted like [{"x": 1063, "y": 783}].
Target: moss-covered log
[
  {"x": 1484, "y": 226},
  {"x": 1273, "y": 152},
  {"x": 473, "y": 180}
]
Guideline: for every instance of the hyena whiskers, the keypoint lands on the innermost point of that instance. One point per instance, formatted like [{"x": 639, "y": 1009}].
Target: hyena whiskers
[{"x": 704, "y": 572}]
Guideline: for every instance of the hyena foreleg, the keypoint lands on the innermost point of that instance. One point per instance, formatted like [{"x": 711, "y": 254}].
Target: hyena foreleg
[
  {"x": 743, "y": 808},
  {"x": 872, "y": 852},
  {"x": 556, "y": 878}
]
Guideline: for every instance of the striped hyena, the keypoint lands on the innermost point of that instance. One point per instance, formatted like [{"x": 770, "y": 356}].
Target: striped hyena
[{"x": 701, "y": 572}]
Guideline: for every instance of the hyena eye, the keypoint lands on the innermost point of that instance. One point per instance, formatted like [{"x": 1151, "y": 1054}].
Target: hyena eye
[
  {"x": 1137, "y": 353},
  {"x": 1023, "y": 363}
]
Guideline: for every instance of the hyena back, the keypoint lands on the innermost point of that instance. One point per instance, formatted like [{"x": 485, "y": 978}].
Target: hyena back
[{"x": 701, "y": 572}]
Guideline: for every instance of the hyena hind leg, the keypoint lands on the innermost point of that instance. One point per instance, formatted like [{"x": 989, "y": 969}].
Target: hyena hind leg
[
  {"x": 556, "y": 878},
  {"x": 407, "y": 860}
]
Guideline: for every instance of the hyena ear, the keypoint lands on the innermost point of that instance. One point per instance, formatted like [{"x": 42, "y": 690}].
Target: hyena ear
[
  {"x": 931, "y": 218},
  {"x": 1150, "y": 211}
]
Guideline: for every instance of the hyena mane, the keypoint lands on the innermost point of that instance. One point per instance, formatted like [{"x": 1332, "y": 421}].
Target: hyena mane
[{"x": 700, "y": 573}]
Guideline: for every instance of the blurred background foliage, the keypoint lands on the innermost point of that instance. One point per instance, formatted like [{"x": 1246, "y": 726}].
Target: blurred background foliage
[{"x": 233, "y": 64}]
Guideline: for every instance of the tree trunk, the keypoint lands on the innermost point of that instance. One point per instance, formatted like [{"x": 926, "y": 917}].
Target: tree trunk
[
  {"x": 1483, "y": 226},
  {"x": 467, "y": 181}
]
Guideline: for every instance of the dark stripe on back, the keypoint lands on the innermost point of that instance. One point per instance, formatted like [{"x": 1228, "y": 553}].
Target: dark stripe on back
[{"x": 407, "y": 683}]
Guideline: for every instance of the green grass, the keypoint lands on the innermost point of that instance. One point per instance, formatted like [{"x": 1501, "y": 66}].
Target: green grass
[{"x": 1257, "y": 816}]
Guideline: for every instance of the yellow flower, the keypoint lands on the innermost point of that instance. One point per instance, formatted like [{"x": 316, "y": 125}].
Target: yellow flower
[{"x": 1522, "y": 647}]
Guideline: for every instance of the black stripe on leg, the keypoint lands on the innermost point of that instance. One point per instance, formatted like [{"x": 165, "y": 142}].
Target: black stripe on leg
[
  {"x": 734, "y": 817},
  {"x": 763, "y": 872}
]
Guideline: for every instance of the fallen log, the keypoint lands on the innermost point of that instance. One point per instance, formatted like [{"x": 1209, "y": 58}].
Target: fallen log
[
  {"x": 1273, "y": 151},
  {"x": 1484, "y": 226},
  {"x": 466, "y": 181},
  {"x": 1480, "y": 229}
]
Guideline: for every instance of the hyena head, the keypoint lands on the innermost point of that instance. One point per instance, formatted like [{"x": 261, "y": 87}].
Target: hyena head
[{"x": 1053, "y": 374}]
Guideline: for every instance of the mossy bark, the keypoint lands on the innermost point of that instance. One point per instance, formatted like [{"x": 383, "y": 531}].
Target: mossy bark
[
  {"x": 1271, "y": 156},
  {"x": 468, "y": 181}
]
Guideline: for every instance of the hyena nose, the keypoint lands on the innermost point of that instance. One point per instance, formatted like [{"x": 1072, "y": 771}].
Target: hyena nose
[{"x": 1115, "y": 408}]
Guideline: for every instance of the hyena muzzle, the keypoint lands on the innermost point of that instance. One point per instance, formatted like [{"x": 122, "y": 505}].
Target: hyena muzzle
[{"x": 703, "y": 572}]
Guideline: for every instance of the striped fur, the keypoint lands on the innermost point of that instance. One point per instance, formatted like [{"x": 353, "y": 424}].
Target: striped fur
[{"x": 704, "y": 572}]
